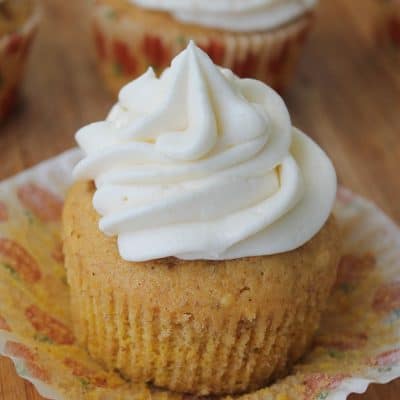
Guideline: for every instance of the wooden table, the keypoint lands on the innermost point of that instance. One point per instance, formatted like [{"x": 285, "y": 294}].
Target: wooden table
[{"x": 346, "y": 95}]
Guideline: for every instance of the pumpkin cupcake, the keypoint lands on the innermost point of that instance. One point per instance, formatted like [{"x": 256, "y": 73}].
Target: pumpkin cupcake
[
  {"x": 18, "y": 22},
  {"x": 198, "y": 237},
  {"x": 260, "y": 39}
]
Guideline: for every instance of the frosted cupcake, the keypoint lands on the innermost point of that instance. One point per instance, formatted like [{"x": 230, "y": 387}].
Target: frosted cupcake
[
  {"x": 261, "y": 39},
  {"x": 18, "y": 22},
  {"x": 198, "y": 237}
]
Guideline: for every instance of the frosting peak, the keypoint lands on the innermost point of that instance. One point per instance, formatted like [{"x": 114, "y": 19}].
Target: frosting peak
[
  {"x": 201, "y": 115},
  {"x": 201, "y": 164}
]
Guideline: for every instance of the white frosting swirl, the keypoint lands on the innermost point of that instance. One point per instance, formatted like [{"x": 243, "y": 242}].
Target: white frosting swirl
[
  {"x": 200, "y": 164},
  {"x": 236, "y": 15}
]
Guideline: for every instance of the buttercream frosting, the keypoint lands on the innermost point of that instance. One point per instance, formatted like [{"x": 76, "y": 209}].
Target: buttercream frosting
[{"x": 200, "y": 164}]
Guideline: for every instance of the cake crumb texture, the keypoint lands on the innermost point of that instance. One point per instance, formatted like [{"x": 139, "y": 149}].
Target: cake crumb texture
[{"x": 201, "y": 327}]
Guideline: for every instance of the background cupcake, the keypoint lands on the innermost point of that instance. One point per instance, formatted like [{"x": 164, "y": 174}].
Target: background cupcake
[
  {"x": 18, "y": 22},
  {"x": 256, "y": 38}
]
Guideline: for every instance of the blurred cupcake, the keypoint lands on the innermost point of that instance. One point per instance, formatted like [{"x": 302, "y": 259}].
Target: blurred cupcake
[
  {"x": 261, "y": 39},
  {"x": 389, "y": 22},
  {"x": 18, "y": 22}
]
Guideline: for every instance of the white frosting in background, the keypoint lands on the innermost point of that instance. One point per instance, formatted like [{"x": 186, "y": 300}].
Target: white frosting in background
[
  {"x": 236, "y": 15},
  {"x": 199, "y": 164}
]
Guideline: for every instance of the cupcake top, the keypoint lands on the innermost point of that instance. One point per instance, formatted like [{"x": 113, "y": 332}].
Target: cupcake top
[
  {"x": 200, "y": 164},
  {"x": 13, "y": 14},
  {"x": 233, "y": 15}
]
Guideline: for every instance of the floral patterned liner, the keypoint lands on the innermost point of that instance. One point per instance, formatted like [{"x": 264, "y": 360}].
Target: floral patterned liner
[
  {"x": 43, "y": 389},
  {"x": 358, "y": 343}
]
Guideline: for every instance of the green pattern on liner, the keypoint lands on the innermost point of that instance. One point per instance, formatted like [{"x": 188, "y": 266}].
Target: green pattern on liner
[
  {"x": 10, "y": 269},
  {"x": 117, "y": 69},
  {"x": 335, "y": 354},
  {"x": 43, "y": 338},
  {"x": 29, "y": 216},
  {"x": 84, "y": 382},
  {"x": 110, "y": 13}
]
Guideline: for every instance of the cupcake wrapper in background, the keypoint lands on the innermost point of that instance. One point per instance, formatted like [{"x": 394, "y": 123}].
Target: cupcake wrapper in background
[
  {"x": 14, "y": 50},
  {"x": 389, "y": 22},
  {"x": 127, "y": 44},
  {"x": 358, "y": 341}
]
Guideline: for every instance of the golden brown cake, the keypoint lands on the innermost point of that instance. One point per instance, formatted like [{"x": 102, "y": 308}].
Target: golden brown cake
[
  {"x": 130, "y": 38},
  {"x": 194, "y": 326}
]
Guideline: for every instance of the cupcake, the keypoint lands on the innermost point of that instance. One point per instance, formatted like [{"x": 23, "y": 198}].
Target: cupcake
[
  {"x": 198, "y": 237},
  {"x": 260, "y": 39},
  {"x": 18, "y": 22}
]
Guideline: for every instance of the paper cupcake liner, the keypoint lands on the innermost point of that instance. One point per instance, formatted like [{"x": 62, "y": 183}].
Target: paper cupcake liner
[
  {"x": 127, "y": 46},
  {"x": 358, "y": 341},
  {"x": 14, "y": 50}
]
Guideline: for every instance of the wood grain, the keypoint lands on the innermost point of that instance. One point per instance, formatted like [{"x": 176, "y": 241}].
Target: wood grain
[{"x": 346, "y": 95}]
